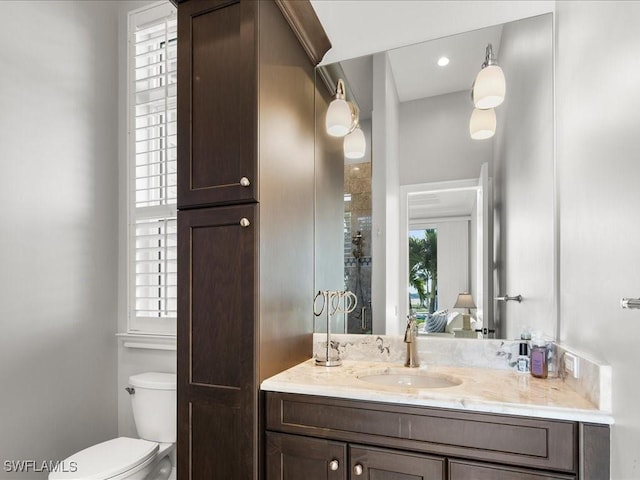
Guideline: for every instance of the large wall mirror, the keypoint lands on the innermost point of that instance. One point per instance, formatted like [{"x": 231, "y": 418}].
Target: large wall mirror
[{"x": 429, "y": 213}]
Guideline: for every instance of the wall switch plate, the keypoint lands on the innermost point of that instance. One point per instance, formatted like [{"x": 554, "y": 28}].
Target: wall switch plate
[{"x": 571, "y": 364}]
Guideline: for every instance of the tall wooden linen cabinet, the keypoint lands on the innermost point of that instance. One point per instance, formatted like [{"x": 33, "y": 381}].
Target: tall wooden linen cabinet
[{"x": 245, "y": 223}]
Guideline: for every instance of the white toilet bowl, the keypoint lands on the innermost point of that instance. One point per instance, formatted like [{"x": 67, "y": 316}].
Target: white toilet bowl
[
  {"x": 123, "y": 458},
  {"x": 118, "y": 459}
]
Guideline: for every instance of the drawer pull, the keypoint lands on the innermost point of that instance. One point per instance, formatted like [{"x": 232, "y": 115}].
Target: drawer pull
[
  {"x": 244, "y": 181},
  {"x": 244, "y": 222},
  {"x": 334, "y": 465},
  {"x": 357, "y": 469}
]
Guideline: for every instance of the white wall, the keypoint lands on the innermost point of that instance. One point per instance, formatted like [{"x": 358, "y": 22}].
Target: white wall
[
  {"x": 385, "y": 204},
  {"x": 435, "y": 144},
  {"x": 363, "y": 27},
  {"x": 598, "y": 118},
  {"x": 524, "y": 177},
  {"x": 59, "y": 187},
  {"x": 453, "y": 261},
  {"x": 129, "y": 361}
]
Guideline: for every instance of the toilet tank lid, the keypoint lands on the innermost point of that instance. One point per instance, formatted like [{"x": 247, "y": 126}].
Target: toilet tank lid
[
  {"x": 154, "y": 380},
  {"x": 106, "y": 460}
]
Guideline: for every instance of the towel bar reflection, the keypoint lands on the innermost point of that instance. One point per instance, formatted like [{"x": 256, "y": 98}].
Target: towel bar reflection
[
  {"x": 630, "y": 303},
  {"x": 507, "y": 298}
]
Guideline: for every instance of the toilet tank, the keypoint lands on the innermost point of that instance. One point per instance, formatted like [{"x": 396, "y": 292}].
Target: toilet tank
[{"x": 154, "y": 406}]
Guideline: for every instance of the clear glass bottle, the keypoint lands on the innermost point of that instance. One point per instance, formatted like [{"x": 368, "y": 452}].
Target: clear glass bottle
[{"x": 522, "y": 364}]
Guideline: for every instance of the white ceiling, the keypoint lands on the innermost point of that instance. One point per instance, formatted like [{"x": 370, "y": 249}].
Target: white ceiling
[
  {"x": 417, "y": 74},
  {"x": 380, "y": 25},
  {"x": 415, "y": 69},
  {"x": 362, "y": 27},
  {"x": 441, "y": 204}
]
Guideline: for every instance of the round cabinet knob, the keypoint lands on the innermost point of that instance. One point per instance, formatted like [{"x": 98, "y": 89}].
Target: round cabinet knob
[
  {"x": 357, "y": 469},
  {"x": 334, "y": 465},
  {"x": 244, "y": 222},
  {"x": 244, "y": 181}
]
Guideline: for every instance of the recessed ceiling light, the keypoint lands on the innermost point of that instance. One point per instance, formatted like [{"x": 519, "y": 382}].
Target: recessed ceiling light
[{"x": 443, "y": 61}]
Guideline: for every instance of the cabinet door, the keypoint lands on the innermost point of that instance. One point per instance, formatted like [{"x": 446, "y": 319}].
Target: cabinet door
[
  {"x": 217, "y": 426},
  {"x": 379, "y": 464},
  {"x": 460, "y": 470},
  {"x": 217, "y": 106},
  {"x": 290, "y": 457}
]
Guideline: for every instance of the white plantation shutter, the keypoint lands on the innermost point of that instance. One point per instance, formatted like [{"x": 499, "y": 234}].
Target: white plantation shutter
[{"x": 153, "y": 173}]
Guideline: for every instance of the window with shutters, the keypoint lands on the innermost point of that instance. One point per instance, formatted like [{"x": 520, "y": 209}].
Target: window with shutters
[{"x": 152, "y": 170}]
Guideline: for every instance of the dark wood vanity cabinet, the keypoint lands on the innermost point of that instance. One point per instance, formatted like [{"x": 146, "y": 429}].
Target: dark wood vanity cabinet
[
  {"x": 387, "y": 441},
  {"x": 216, "y": 368},
  {"x": 217, "y": 102},
  {"x": 462, "y": 470},
  {"x": 384, "y": 464},
  {"x": 246, "y": 127},
  {"x": 240, "y": 72},
  {"x": 290, "y": 457},
  {"x": 303, "y": 458}
]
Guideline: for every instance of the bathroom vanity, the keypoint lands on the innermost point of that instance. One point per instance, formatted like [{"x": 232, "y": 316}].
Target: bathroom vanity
[{"x": 493, "y": 425}]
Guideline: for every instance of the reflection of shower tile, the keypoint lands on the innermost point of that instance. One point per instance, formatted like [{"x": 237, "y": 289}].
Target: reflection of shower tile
[
  {"x": 352, "y": 171},
  {"x": 360, "y": 185},
  {"x": 358, "y": 170},
  {"x": 361, "y": 202}
]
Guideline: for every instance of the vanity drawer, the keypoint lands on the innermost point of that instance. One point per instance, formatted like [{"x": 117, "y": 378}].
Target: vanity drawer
[
  {"x": 523, "y": 441},
  {"x": 459, "y": 470}
]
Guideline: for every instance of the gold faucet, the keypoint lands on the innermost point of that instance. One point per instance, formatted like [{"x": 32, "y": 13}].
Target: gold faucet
[{"x": 410, "y": 336}]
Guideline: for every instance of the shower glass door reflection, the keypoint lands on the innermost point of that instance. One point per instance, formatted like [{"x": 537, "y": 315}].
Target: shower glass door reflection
[{"x": 357, "y": 244}]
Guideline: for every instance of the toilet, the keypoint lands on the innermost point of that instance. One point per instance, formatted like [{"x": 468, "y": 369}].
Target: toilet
[{"x": 153, "y": 398}]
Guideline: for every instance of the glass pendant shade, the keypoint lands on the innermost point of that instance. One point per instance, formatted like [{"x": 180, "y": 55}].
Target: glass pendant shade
[
  {"x": 338, "y": 120},
  {"x": 489, "y": 88},
  {"x": 355, "y": 144},
  {"x": 482, "y": 124}
]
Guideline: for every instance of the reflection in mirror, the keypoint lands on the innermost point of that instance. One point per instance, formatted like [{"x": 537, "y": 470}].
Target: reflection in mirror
[
  {"x": 415, "y": 115},
  {"x": 447, "y": 253}
]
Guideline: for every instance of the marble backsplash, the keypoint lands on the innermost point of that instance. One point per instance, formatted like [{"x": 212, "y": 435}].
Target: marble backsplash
[
  {"x": 431, "y": 351},
  {"x": 594, "y": 381},
  {"x": 594, "y": 377}
]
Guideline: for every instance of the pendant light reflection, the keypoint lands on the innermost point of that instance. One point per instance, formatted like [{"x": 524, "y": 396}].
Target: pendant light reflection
[
  {"x": 488, "y": 92},
  {"x": 339, "y": 118},
  {"x": 482, "y": 124},
  {"x": 490, "y": 86},
  {"x": 355, "y": 144},
  {"x": 342, "y": 121}
]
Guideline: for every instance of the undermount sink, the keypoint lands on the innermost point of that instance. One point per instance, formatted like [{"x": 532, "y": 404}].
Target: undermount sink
[{"x": 411, "y": 379}]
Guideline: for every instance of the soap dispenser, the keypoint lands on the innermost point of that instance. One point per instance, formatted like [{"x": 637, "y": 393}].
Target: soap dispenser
[{"x": 539, "y": 364}]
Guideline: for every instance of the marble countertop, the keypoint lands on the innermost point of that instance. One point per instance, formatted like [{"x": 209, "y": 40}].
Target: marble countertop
[{"x": 481, "y": 390}]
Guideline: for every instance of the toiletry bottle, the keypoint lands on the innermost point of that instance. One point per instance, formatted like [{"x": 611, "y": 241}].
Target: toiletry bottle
[
  {"x": 539, "y": 365},
  {"x": 522, "y": 364}
]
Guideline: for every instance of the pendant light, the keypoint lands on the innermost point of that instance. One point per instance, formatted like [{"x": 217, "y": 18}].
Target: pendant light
[
  {"x": 339, "y": 115},
  {"x": 343, "y": 121},
  {"x": 490, "y": 86},
  {"x": 482, "y": 124}
]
